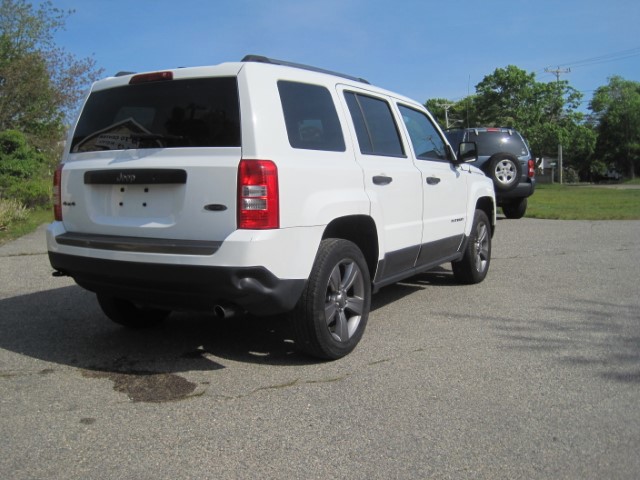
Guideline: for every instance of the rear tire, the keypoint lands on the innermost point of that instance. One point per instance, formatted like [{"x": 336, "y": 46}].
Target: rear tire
[
  {"x": 128, "y": 314},
  {"x": 332, "y": 313},
  {"x": 515, "y": 209},
  {"x": 474, "y": 265}
]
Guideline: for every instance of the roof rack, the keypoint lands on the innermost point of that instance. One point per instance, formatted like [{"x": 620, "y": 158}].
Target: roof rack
[
  {"x": 122, "y": 74},
  {"x": 273, "y": 61}
]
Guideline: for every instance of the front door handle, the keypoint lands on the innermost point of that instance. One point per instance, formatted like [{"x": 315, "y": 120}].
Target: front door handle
[
  {"x": 382, "y": 180},
  {"x": 433, "y": 180}
]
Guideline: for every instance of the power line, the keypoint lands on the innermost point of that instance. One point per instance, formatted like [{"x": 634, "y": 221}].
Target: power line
[
  {"x": 610, "y": 57},
  {"x": 557, "y": 72},
  {"x": 605, "y": 58}
]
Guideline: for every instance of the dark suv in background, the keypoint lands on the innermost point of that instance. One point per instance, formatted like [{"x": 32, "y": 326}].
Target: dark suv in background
[{"x": 505, "y": 157}]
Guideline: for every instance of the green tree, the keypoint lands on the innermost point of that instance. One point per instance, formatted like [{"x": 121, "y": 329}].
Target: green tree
[
  {"x": 436, "y": 107},
  {"x": 40, "y": 84},
  {"x": 617, "y": 111},
  {"x": 450, "y": 114},
  {"x": 545, "y": 112},
  {"x": 505, "y": 98}
]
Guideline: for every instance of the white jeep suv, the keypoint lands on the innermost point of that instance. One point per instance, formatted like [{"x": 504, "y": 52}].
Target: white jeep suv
[{"x": 264, "y": 187}]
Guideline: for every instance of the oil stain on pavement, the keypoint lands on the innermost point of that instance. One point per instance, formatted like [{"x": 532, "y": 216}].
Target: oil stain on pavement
[
  {"x": 148, "y": 386},
  {"x": 142, "y": 385}
]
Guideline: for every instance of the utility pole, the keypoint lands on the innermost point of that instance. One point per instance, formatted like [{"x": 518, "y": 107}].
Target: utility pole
[
  {"x": 446, "y": 107},
  {"x": 557, "y": 73}
]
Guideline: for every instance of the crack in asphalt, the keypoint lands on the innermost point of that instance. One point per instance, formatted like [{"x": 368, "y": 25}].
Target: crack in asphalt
[{"x": 24, "y": 254}]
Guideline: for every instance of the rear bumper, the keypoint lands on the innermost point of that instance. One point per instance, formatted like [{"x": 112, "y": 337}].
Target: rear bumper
[
  {"x": 188, "y": 287},
  {"x": 523, "y": 190}
]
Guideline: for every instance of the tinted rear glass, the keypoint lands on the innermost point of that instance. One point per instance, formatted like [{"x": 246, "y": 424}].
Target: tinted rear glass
[
  {"x": 310, "y": 116},
  {"x": 201, "y": 112},
  {"x": 375, "y": 127},
  {"x": 493, "y": 142}
]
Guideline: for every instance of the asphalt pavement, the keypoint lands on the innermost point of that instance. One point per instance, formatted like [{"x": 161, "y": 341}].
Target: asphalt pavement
[{"x": 535, "y": 373}]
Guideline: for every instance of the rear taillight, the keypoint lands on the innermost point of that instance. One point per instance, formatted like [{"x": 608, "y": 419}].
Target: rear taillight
[
  {"x": 532, "y": 168},
  {"x": 57, "y": 193},
  {"x": 151, "y": 77},
  {"x": 258, "y": 197}
]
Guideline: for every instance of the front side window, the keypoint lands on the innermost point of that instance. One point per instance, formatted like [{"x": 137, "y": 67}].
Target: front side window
[
  {"x": 375, "y": 127},
  {"x": 427, "y": 142},
  {"x": 310, "y": 116},
  {"x": 201, "y": 112}
]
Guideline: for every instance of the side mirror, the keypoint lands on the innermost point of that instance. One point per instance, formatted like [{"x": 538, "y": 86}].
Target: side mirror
[{"x": 467, "y": 152}]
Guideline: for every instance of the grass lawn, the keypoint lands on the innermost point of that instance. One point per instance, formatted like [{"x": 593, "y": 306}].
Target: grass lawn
[{"x": 585, "y": 202}]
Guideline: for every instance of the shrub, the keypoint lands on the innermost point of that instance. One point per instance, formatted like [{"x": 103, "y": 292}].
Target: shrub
[
  {"x": 24, "y": 171},
  {"x": 11, "y": 211},
  {"x": 23, "y": 168},
  {"x": 13, "y": 143},
  {"x": 570, "y": 176},
  {"x": 33, "y": 193}
]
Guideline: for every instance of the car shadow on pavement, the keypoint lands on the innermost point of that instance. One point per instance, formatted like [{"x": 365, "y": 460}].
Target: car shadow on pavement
[
  {"x": 66, "y": 326},
  {"x": 439, "y": 276}
]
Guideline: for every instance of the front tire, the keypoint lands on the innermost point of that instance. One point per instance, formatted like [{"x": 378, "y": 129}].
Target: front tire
[
  {"x": 332, "y": 313},
  {"x": 474, "y": 265},
  {"x": 128, "y": 314}
]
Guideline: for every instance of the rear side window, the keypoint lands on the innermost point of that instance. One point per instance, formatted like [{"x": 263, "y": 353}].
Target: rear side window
[
  {"x": 201, "y": 112},
  {"x": 310, "y": 116},
  {"x": 490, "y": 142},
  {"x": 376, "y": 129}
]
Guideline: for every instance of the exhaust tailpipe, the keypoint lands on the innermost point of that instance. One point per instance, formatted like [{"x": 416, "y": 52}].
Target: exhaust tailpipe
[{"x": 226, "y": 311}]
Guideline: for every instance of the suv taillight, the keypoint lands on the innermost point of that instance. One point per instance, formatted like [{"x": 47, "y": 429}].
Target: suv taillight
[
  {"x": 151, "y": 77},
  {"x": 258, "y": 197},
  {"x": 532, "y": 168},
  {"x": 57, "y": 193}
]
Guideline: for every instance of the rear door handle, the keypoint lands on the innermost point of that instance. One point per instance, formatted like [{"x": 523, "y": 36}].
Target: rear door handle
[
  {"x": 433, "y": 180},
  {"x": 382, "y": 180}
]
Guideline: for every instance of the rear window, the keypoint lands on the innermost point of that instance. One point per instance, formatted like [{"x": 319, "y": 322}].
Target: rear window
[
  {"x": 201, "y": 112},
  {"x": 490, "y": 142}
]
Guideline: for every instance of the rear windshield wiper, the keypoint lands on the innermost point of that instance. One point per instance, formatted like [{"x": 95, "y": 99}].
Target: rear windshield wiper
[{"x": 155, "y": 136}]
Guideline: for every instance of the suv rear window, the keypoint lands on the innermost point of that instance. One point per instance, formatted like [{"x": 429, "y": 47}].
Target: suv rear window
[
  {"x": 202, "y": 112},
  {"x": 490, "y": 142}
]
